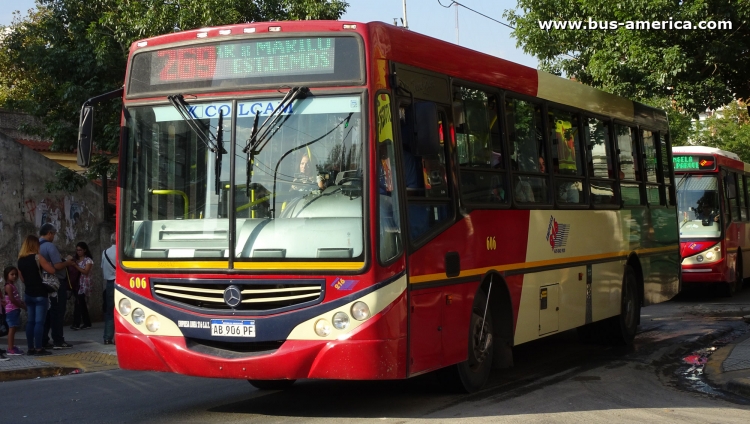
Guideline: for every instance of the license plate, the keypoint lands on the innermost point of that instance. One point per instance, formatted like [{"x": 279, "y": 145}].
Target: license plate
[{"x": 232, "y": 328}]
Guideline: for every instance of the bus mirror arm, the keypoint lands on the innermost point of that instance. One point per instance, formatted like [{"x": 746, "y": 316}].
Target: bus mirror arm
[{"x": 86, "y": 126}]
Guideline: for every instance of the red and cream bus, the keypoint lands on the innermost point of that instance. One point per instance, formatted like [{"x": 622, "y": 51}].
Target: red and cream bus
[
  {"x": 713, "y": 217},
  {"x": 338, "y": 200}
]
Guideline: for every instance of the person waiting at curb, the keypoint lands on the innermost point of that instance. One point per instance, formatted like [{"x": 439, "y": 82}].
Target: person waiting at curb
[{"x": 13, "y": 306}]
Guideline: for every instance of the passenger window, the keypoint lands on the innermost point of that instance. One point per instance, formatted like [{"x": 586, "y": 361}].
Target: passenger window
[
  {"x": 666, "y": 162},
  {"x": 742, "y": 201},
  {"x": 600, "y": 162},
  {"x": 649, "y": 150},
  {"x": 598, "y": 143},
  {"x": 567, "y": 165},
  {"x": 479, "y": 146},
  {"x": 425, "y": 177},
  {"x": 629, "y": 166},
  {"x": 527, "y": 155}
]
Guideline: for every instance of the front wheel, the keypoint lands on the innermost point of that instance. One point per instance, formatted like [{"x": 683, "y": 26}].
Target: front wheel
[
  {"x": 272, "y": 384},
  {"x": 472, "y": 374}
]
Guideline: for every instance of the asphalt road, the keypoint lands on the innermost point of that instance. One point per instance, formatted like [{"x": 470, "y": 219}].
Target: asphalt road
[{"x": 557, "y": 379}]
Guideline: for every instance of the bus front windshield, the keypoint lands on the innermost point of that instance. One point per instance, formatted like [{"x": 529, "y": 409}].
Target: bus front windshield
[
  {"x": 296, "y": 194},
  {"x": 699, "y": 206}
]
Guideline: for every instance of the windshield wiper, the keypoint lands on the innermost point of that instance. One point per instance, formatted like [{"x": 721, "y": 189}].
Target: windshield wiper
[
  {"x": 214, "y": 143},
  {"x": 260, "y": 136}
]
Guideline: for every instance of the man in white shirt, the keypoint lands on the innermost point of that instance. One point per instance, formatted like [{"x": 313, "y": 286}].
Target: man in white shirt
[{"x": 109, "y": 265}]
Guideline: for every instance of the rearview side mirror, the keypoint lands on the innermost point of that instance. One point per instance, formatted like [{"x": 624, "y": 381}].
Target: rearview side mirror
[{"x": 85, "y": 141}]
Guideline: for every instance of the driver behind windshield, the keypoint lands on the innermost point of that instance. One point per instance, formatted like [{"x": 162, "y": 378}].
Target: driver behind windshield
[{"x": 306, "y": 179}]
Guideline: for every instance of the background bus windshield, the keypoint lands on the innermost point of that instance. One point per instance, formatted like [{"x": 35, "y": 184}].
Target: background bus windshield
[{"x": 698, "y": 205}]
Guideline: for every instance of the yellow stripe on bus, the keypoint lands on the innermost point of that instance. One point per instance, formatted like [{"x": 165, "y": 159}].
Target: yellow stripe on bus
[
  {"x": 274, "y": 266},
  {"x": 176, "y": 264},
  {"x": 537, "y": 264}
]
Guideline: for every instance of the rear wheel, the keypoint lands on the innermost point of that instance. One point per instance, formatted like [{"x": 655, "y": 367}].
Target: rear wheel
[
  {"x": 272, "y": 384},
  {"x": 472, "y": 374},
  {"x": 622, "y": 328}
]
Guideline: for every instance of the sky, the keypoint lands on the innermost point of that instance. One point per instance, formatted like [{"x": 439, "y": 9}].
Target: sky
[{"x": 424, "y": 16}]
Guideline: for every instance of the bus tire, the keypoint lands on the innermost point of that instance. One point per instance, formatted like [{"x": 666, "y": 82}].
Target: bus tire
[
  {"x": 271, "y": 384},
  {"x": 472, "y": 374},
  {"x": 623, "y": 327}
]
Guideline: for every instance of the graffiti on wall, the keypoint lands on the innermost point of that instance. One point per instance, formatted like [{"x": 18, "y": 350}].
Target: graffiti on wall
[{"x": 67, "y": 214}]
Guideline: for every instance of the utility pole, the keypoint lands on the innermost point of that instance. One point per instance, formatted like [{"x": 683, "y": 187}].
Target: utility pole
[
  {"x": 406, "y": 22},
  {"x": 457, "y": 42}
]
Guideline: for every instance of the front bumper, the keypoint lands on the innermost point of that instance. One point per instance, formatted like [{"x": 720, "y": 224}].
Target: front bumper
[{"x": 376, "y": 349}]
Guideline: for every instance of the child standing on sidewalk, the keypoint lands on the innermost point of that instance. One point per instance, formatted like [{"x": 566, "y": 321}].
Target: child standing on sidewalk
[{"x": 13, "y": 306}]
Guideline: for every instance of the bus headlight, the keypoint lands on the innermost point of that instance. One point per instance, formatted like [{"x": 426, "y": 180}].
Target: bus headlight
[
  {"x": 322, "y": 328},
  {"x": 152, "y": 323},
  {"x": 360, "y": 311},
  {"x": 699, "y": 258},
  {"x": 138, "y": 316},
  {"x": 710, "y": 255},
  {"x": 124, "y": 307},
  {"x": 340, "y": 320}
]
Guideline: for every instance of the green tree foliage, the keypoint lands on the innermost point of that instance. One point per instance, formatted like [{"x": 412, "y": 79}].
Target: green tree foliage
[
  {"x": 694, "y": 69},
  {"x": 66, "y": 51},
  {"x": 727, "y": 129}
]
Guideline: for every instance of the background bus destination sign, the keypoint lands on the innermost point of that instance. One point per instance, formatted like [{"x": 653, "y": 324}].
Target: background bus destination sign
[
  {"x": 693, "y": 162},
  {"x": 242, "y": 59}
]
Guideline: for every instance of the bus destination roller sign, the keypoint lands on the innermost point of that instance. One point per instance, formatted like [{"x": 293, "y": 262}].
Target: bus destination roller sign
[
  {"x": 693, "y": 162},
  {"x": 243, "y": 58}
]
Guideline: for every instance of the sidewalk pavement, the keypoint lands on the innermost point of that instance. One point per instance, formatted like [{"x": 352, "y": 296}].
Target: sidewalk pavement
[
  {"x": 88, "y": 354},
  {"x": 729, "y": 367}
]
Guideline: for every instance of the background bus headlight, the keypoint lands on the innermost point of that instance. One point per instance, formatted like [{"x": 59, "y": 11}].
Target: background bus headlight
[
  {"x": 138, "y": 316},
  {"x": 710, "y": 255},
  {"x": 340, "y": 320},
  {"x": 124, "y": 307},
  {"x": 360, "y": 311},
  {"x": 152, "y": 323},
  {"x": 699, "y": 258},
  {"x": 322, "y": 328}
]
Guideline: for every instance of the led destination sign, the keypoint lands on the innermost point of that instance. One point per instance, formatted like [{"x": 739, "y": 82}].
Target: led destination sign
[
  {"x": 246, "y": 63},
  {"x": 693, "y": 163},
  {"x": 246, "y": 58}
]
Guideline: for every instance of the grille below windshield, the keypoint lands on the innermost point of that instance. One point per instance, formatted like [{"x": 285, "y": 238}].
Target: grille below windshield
[{"x": 243, "y": 296}]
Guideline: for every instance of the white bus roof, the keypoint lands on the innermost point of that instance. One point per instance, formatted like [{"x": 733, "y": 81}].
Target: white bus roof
[{"x": 705, "y": 150}]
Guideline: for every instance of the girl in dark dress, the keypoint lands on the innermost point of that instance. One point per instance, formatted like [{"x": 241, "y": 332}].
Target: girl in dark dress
[{"x": 36, "y": 296}]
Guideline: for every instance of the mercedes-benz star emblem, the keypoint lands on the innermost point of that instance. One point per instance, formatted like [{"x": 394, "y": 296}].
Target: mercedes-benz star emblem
[{"x": 232, "y": 296}]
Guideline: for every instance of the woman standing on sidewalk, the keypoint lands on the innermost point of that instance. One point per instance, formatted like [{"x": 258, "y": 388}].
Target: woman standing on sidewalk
[
  {"x": 36, "y": 297},
  {"x": 83, "y": 264}
]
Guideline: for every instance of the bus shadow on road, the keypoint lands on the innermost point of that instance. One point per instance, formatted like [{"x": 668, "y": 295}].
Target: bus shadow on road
[{"x": 538, "y": 364}]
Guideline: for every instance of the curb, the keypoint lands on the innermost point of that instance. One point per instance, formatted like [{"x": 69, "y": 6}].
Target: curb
[
  {"x": 739, "y": 386},
  {"x": 41, "y": 372}
]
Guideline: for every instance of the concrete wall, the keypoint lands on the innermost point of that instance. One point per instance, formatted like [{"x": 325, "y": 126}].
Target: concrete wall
[{"x": 25, "y": 206}]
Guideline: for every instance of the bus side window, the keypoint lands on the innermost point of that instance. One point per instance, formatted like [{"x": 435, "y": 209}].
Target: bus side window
[
  {"x": 425, "y": 176},
  {"x": 600, "y": 162},
  {"x": 650, "y": 152},
  {"x": 528, "y": 157},
  {"x": 565, "y": 136},
  {"x": 630, "y": 172},
  {"x": 479, "y": 146}
]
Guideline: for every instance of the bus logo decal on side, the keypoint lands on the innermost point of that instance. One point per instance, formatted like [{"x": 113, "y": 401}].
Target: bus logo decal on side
[
  {"x": 341, "y": 284},
  {"x": 557, "y": 235}
]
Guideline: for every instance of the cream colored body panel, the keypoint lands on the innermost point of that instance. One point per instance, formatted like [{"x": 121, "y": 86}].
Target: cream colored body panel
[
  {"x": 606, "y": 289},
  {"x": 572, "y": 93},
  {"x": 376, "y": 301},
  {"x": 571, "y": 298},
  {"x": 591, "y": 236}
]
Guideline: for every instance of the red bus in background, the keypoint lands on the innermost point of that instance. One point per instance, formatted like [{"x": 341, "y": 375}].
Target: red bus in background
[
  {"x": 358, "y": 201},
  {"x": 713, "y": 214}
]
